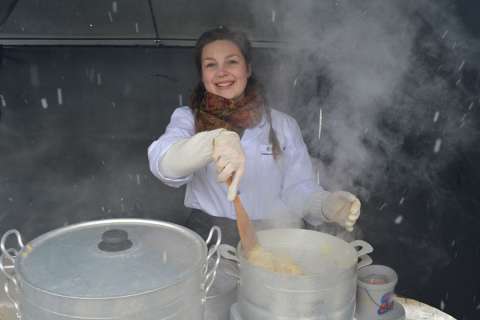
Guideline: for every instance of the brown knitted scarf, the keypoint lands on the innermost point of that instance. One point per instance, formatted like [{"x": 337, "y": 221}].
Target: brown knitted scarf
[{"x": 216, "y": 112}]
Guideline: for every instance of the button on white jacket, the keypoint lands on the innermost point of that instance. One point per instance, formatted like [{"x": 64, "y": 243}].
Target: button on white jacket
[{"x": 269, "y": 188}]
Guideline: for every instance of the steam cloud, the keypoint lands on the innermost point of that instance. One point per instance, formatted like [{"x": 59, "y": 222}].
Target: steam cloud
[{"x": 389, "y": 78}]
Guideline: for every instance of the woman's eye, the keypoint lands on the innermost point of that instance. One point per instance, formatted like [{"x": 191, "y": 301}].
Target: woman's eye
[
  {"x": 232, "y": 61},
  {"x": 209, "y": 65}
]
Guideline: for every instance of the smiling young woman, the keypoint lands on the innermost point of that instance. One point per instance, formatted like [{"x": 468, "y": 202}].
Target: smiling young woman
[{"x": 230, "y": 131}]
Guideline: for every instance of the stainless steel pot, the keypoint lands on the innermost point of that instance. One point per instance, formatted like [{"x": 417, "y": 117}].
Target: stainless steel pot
[
  {"x": 223, "y": 293},
  {"x": 326, "y": 291},
  {"x": 111, "y": 269},
  {"x": 7, "y": 311}
]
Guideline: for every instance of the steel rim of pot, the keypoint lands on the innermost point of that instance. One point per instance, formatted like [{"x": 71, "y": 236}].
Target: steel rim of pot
[{"x": 355, "y": 265}]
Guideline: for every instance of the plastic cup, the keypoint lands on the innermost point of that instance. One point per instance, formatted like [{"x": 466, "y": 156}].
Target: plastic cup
[{"x": 375, "y": 292}]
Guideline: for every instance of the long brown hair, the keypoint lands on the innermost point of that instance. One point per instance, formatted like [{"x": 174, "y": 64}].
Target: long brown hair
[{"x": 241, "y": 41}]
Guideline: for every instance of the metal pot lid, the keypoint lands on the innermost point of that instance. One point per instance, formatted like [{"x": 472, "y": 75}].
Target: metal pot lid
[{"x": 111, "y": 258}]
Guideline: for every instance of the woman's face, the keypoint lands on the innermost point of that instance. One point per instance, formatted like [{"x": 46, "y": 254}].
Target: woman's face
[{"x": 224, "y": 69}]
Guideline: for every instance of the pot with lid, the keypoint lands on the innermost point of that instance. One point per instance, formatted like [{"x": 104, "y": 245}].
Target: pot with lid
[{"x": 111, "y": 269}]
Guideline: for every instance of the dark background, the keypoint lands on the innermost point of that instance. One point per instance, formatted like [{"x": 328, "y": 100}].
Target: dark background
[{"x": 79, "y": 109}]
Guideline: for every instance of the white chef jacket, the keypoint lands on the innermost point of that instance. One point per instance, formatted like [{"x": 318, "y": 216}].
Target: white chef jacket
[{"x": 269, "y": 188}]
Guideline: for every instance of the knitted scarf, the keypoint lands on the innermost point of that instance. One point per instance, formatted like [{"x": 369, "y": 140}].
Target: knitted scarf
[{"x": 216, "y": 112}]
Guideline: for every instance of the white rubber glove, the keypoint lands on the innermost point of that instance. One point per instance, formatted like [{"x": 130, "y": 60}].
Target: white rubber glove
[
  {"x": 340, "y": 207},
  {"x": 188, "y": 155},
  {"x": 229, "y": 160}
]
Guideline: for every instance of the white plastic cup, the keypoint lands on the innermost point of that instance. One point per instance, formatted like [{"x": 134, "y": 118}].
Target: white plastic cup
[{"x": 375, "y": 292}]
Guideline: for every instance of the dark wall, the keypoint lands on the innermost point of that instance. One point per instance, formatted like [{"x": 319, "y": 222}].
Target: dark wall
[{"x": 75, "y": 130}]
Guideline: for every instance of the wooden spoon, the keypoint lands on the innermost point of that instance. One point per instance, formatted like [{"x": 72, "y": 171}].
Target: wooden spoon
[
  {"x": 252, "y": 250},
  {"x": 246, "y": 230}
]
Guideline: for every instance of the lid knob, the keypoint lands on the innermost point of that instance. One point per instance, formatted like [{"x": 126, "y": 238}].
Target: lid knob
[{"x": 115, "y": 240}]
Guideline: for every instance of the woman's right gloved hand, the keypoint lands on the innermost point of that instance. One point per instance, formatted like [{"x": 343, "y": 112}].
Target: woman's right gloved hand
[
  {"x": 229, "y": 160},
  {"x": 188, "y": 155}
]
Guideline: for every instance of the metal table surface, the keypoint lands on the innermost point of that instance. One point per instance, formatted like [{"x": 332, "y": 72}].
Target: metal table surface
[{"x": 416, "y": 310}]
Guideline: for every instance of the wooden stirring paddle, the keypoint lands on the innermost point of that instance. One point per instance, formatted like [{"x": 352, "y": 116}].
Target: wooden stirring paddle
[
  {"x": 246, "y": 230},
  {"x": 252, "y": 250}
]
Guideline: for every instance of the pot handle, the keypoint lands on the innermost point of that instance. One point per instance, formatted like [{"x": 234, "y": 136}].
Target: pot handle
[
  {"x": 9, "y": 254},
  {"x": 361, "y": 247},
  {"x": 228, "y": 252},
  {"x": 212, "y": 251},
  {"x": 214, "y": 248},
  {"x": 6, "y": 288},
  {"x": 363, "y": 261}
]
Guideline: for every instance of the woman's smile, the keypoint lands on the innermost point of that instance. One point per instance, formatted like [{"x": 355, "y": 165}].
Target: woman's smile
[{"x": 224, "y": 84}]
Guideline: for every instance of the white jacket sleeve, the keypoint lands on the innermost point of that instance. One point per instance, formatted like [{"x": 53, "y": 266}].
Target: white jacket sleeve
[
  {"x": 299, "y": 178},
  {"x": 181, "y": 126}
]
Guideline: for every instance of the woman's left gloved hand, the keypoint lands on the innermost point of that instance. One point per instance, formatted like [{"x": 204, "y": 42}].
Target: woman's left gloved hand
[{"x": 341, "y": 207}]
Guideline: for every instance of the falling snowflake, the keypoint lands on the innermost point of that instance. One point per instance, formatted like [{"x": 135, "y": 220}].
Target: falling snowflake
[
  {"x": 437, "y": 146},
  {"x": 2, "y": 100},
  {"x": 44, "y": 103},
  {"x": 59, "y": 96},
  {"x": 398, "y": 219}
]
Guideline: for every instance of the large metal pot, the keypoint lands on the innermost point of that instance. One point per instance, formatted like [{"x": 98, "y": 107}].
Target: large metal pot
[
  {"x": 111, "y": 269},
  {"x": 7, "y": 311},
  {"x": 223, "y": 293},
  {"x": 326, "y": 290}
]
